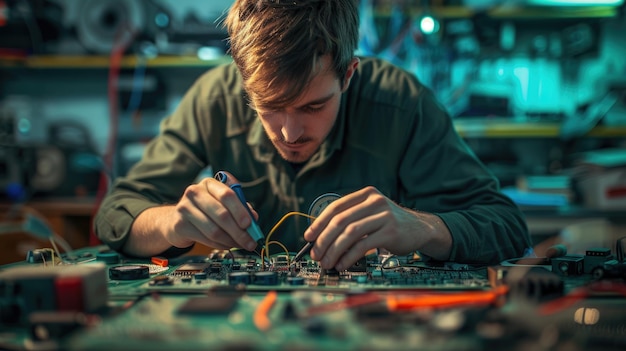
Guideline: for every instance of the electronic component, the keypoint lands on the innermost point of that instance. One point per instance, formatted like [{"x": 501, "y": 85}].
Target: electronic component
[
  {"x": 160, "y": 261},
  {"x": 596, "y": 257},
  {"x": 129, "y": 272},
  {"x": 161, "y": 280},
  {"x": 39, "y": 256},
  {"x": 200, "y": 276},
  {"x": 568, "y": 265},
  {"x": 266, "y": 278},
  {"x": 236, "y": 278},
  {"x": 189, "y": 269},
  {"x": 27, "y": 289}
]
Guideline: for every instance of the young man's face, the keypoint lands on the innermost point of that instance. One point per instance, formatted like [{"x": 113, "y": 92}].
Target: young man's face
[{"x": 298, "y": 130}]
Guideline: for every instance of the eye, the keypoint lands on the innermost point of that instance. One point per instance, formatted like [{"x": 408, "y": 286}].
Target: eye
[{"x": 313, "y": 108}]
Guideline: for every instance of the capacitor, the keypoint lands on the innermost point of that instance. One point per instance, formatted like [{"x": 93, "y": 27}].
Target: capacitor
[
  {"x": 236, "y": 278},
  {"x": 266, "y": 278},
  {"x": 295, "y": 280}
]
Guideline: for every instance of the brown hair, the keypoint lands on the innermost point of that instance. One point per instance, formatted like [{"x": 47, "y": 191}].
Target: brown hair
[{"x": 276, "y": 44}]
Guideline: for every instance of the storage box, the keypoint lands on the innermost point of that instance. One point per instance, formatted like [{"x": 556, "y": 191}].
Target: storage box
[{"x": 603, "y": 183}]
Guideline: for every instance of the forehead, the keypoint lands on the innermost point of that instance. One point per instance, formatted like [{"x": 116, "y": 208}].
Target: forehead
[{"x": 322, "y": 82}]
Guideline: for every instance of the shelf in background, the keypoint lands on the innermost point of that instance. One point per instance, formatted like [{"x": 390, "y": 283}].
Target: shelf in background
[
  {"x": 509, "y": 12},
  {"x": 505, "y": 128},
  {"x": 89, "y": 61}
]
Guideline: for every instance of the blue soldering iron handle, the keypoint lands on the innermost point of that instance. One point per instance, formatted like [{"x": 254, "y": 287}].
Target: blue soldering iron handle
[
  {"x": 239, "y": 191},
  {"x": 254, "y": 230}
]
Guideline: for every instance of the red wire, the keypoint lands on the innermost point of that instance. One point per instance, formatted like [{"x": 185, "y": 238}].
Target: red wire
[{"x": 117, "y": 54}]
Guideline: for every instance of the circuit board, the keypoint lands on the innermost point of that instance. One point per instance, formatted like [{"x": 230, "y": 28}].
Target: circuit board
[
  {"x": 374, "y": 272},
  {"x": 233, "y": 301}
]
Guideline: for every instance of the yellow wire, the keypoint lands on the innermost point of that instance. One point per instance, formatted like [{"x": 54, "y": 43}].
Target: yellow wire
[
  {"x": 281, "y": 245},
  {"x": 277, "y": 243},
  {"x": 278, "y": 224}
]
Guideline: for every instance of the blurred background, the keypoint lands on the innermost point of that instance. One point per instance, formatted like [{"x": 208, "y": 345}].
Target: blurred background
[{"x": 536, "y": 87}]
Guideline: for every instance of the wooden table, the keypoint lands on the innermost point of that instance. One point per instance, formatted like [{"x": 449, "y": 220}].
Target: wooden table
[{"x": 70, "y": 218}]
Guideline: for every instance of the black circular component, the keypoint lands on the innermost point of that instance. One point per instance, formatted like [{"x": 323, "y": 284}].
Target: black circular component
[
  {"x": 295, "y": 280},
  {"x": 236, "y": 278},
  {"x": 266, "y": 278},
  {"x": 108, "y": 257},
  {"x": 130, "y": 272}
]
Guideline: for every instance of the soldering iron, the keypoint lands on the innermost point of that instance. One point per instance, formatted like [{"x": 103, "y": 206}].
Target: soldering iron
[{"x": 254, "y": 230}]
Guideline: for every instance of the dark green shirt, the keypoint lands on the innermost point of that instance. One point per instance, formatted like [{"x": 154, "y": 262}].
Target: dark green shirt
[{"x": 391, "y": 133}]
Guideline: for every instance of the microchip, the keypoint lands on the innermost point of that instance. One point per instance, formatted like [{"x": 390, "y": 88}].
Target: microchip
[
  {"x": 217, "y": 304},
  {"x": 191, "y": 268},
  {"x": 216, "y": 267}
]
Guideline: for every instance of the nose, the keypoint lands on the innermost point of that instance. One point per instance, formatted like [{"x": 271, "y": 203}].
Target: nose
[{"x": 292, "y": 128}]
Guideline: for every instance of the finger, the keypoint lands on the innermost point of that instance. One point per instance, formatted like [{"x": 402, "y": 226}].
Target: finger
[
  {"x": 335, "y": 221},
  {"x": 329, "y": 213},
  {"x": 352, "y": 239},
  {"x": 227, "y": 178},
  {"x": 223, "y": 208},
  {"x": 196, "y": 225},
  {"x": 228, "y": 199},
  {"x": 360, "y": 249}
]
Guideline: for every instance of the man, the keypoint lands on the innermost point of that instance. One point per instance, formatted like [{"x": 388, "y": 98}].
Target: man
[{"x": 295, "y": 116}]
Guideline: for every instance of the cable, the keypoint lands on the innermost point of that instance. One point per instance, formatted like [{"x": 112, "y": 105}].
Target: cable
[
  {"x": 32, "y": 222},
  {"x": 445, "y": 300},
  {"x": 278, "y": 224},
  {"x": 54, "y": 239},
  {"x": 134, "y": 102},
  {"x": 267, "y": 247},
  {"x": 261, "y": 314},
  {"x": 123, "y": 41}
]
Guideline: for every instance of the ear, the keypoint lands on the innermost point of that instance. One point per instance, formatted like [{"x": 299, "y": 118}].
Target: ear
[{"x": 350, "y": 73}]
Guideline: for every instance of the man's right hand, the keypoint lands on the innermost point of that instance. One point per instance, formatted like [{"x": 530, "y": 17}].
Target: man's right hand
[{"x": 209, "y": 213}]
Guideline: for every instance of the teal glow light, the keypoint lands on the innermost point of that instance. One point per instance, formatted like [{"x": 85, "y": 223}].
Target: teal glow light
[
  {"x": 23, "y": 126},
  {"x": 429, "y": 25}
]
